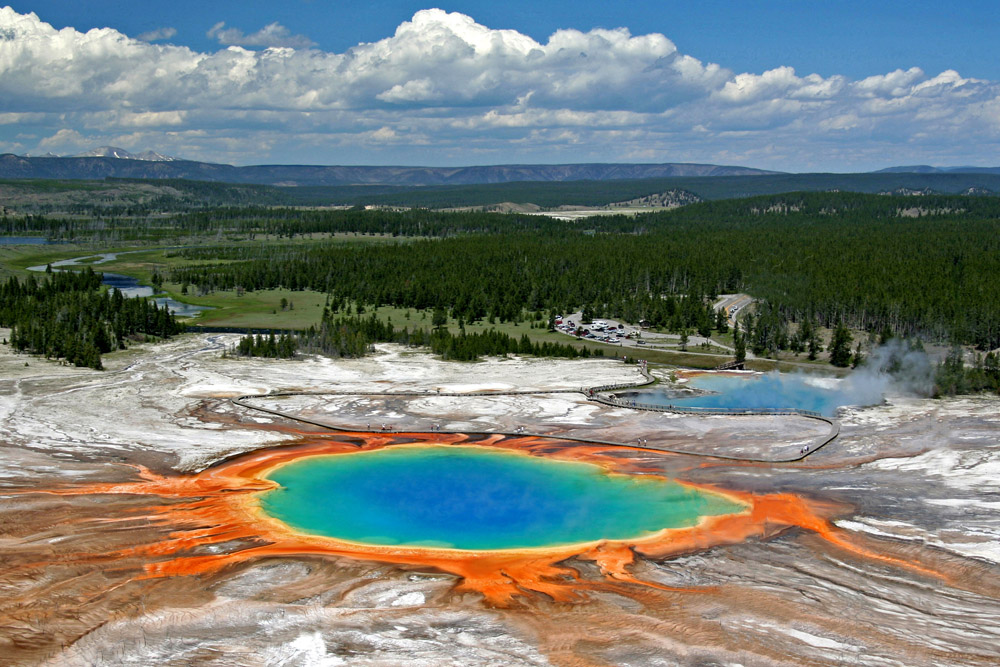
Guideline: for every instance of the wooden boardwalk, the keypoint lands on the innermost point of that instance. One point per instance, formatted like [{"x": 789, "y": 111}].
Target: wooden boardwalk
[{"x": 595, "y": 394}]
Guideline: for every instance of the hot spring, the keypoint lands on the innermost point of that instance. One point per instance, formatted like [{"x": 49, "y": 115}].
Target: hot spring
[
  {"x": 475, "y": 498},
  {"x": 769, "y": 391}
]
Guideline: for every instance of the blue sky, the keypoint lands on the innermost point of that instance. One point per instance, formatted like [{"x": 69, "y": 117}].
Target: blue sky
[
  {"x": 830, "y": 37},
  {"x": 837, "y": 86}
]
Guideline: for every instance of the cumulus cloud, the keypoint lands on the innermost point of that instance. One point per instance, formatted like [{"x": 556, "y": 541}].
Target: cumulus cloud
[
  {"x": 64, "y": 138},
  {"x": 444, "y": 83},
  {"x": 157, "y": 35},
  {"x": 271, "y": 35}
]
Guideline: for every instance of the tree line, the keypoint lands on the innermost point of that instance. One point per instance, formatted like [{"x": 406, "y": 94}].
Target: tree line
[
  {"x": 67, "y": 315},
  {"x": 354, "y": 336},
  {"x": 270, "y": 346}
]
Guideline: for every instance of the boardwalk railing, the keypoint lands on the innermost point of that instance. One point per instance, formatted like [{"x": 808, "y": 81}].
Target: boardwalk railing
[
  {"x": 592, "y": 392},
  {"x": 730, "y": 365},
  {"x": 617, "y": 402}
]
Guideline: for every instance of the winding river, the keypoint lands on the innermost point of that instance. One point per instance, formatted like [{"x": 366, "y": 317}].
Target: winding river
[{"x": 127, "y": 285}]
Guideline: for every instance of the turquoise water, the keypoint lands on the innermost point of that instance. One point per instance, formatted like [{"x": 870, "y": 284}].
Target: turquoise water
[
  {"x": 770, "y": 391},
  {"x": 476, "y": 498}
]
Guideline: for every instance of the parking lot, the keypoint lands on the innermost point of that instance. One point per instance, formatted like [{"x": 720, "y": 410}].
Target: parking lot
[{"x": 620, "y": 334}]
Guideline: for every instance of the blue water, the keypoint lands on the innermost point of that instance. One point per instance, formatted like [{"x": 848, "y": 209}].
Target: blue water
[
  {"x": 770, "y": 391},
  {"x": 476, "y": 498},
  {"x": 130, "y": 287},
  {"x": 23, "y": 240},
  {"x": 127, "y": 285}
]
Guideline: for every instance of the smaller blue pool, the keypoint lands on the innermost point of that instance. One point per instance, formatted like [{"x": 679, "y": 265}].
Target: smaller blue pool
[{"x": 769, "y": 391}]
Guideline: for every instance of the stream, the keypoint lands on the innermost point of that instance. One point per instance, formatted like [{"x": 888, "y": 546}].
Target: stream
[{"x": 127, "y": 285}]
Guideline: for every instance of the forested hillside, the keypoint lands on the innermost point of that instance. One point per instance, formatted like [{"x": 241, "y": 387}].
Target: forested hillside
[{"x": 924, "y": 266}]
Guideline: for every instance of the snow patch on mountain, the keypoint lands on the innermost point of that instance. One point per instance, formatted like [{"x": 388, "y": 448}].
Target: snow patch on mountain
[{"x": 121, "y": 153}]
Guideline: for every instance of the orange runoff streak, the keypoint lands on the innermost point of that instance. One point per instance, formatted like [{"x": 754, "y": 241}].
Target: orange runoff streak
[{"x": 224, "y": 508}]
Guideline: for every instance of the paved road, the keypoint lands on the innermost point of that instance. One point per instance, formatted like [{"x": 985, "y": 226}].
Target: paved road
[{"x": 733, "y": 303}]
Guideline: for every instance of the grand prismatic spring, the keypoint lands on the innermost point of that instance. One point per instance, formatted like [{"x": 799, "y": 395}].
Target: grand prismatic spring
[
  {"x": 236, "y": 538},
  {"x": 224, "y": 504},
  {"x": 477, "y": 498}
]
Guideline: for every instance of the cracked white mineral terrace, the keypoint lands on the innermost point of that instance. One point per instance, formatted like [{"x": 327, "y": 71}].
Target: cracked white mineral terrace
[{"x": 903, "y": 572}]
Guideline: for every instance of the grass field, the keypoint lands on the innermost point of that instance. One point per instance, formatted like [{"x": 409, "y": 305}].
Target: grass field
[
  {"x": 260, "y": 309},
  {"x": 15, "y": 259}
]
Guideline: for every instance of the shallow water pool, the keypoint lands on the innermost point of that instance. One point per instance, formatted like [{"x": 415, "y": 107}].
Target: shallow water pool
[{"x": 751, "y": 391}]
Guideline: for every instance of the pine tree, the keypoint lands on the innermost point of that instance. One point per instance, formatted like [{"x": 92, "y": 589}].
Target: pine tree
[
  {"x": 739, "y": 344},
  {"x": 840, "y": 346},
  {"x": 721, "y": 321},
  {"x": 859, "y": 356}
]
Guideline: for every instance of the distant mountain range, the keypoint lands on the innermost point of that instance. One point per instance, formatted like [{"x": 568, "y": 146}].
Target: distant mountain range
[
  {"x": 51, "y": 195},
  {"x": 927, "y": 169},
  {"x": 110, "y": 162}
]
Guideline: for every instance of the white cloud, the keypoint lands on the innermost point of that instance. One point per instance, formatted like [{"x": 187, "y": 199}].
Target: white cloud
[
  {"x": 419, "y": 90},
  {"x": 128, "y": 119},
  {"x": 893, "y": 84},
  {"x": 271, "y": 35},
  {"x": 443, "y": 88},
  {"x": 157, "y": 35},
  {"x": 18, "y": 118},
  {"x": 384, "y": 134},
  {"x": 64, "y": 138}
]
